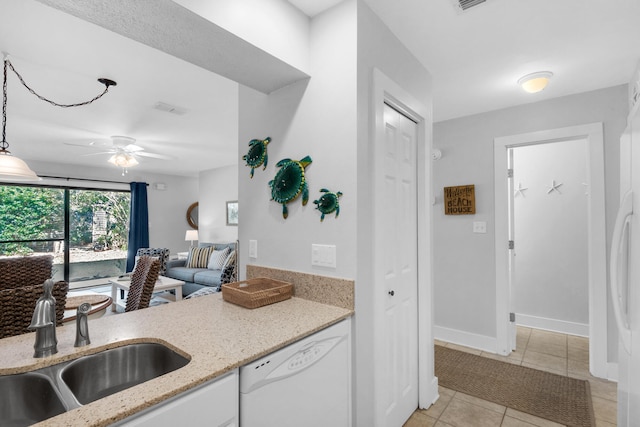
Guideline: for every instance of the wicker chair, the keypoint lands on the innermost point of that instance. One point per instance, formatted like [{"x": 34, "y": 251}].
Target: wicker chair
[
  {"x": 21, "y": 284},
  {"x": 143, "y": 280}
]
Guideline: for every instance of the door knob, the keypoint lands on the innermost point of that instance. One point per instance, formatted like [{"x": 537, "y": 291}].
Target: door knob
[{"x": 392, "y": 293}]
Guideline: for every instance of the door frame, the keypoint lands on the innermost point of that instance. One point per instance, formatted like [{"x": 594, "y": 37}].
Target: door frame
[
  {"x": 387, "y": 91},
  {"x": 597, "y": 250}
]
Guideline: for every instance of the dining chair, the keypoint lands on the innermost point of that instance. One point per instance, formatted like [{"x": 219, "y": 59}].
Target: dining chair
[
  {"x": 143, "y": 280},
  {"x": 21, "y": 284}
]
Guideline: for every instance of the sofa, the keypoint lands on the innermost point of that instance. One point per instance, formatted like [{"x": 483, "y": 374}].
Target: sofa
[{"x": 207, "y": 267}]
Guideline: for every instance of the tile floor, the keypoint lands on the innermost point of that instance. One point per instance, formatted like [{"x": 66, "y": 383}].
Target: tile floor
[{"x": 547, "y": 351}]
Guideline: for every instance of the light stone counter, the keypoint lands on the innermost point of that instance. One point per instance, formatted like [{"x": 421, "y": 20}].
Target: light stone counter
[{"x": 217, "y": 336}]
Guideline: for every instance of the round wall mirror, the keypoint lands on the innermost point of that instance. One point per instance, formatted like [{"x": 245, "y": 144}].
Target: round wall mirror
[{"x": 192, "y": 215}]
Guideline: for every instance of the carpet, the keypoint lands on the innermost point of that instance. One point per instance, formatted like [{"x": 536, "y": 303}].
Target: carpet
[{"x": 543, "y": 394}]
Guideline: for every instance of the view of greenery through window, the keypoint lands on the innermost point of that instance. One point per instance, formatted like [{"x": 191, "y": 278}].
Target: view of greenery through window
[{"x": 92, "y": 233}]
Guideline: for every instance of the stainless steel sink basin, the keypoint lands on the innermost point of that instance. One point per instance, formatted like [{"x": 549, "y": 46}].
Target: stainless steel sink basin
[
  {"x": 27, "y": 399},
  {"x": 102, "y": 374}
]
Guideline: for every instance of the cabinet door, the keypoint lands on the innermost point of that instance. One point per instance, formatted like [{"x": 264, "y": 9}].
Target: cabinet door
[{"x": 214, "y": 404}]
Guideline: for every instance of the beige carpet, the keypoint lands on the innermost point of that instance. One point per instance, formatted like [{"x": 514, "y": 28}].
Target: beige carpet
[{"x": 553, "y": 397}]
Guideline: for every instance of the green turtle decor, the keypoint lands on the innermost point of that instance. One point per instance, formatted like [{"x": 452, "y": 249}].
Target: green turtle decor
[
  {"x": 328, "y": 203},
  {"x": 257, "y": 154},
  {"x": 289, "y": 182}
]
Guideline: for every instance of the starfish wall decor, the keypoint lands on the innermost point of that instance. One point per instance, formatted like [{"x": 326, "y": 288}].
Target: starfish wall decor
[
  {"x": 554, "y": 187},
  {"x": 520, "y": 190}
]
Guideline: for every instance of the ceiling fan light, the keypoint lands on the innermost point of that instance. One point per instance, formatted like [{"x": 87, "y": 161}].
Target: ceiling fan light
[
  {"x": 535, "y": 82},
  {"x": 15, "y": 169},
  {"x": 123, "y": 160}
]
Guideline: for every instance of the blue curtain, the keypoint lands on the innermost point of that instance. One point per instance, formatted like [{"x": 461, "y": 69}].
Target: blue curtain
[{"x": 138, "y": 222}]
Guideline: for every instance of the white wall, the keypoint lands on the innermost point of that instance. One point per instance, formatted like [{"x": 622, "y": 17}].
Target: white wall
[
  {"x": 315, "y": 118},
  {"x": 465, "y": 298},
  {"x": 275, "y": 26},
  {"x": 550, "y": 289},
  {"x": 216, "y": 187},
  {"x": 167, "y": 209},
  {"x": 328, "y": 118}
]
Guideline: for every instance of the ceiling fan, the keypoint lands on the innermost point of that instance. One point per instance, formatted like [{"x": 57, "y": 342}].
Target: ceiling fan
[{"x": 123, "y": 149}]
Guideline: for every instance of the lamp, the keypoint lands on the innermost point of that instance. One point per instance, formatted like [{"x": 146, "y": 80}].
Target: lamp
[
  {"x": 11, "y": 167},
  {"x": 191, "y": 235},
  {"x": 123, "y": 160},
  {"x": 535, "y": 82}
]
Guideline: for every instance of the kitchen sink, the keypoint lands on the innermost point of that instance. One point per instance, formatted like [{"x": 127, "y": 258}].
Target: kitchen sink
[
  {"x": 35, "y": 396},
  {"x": 28, "y": 399},
  {"x": 102, "y": 374}
]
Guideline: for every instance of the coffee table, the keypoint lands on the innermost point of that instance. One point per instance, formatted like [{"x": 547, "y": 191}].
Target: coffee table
[{"x": 162, "y": 284}]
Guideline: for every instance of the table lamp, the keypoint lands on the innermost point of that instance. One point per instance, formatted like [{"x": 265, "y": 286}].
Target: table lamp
[{"x": 191, "y": 235}]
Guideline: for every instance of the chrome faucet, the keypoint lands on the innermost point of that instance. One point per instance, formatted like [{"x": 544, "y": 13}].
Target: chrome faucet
[
  {"x": 82, "y": 325},
  {"x": 44, "y": 323}
]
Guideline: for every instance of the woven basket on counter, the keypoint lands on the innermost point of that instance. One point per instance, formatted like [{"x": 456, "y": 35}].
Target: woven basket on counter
[{"x": 254, "y": 293}]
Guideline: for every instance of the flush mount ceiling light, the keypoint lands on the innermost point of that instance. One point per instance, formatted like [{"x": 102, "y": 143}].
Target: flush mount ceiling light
[
  {"x": 535, "y": 82},
  {"x": 11, "y": 167}
]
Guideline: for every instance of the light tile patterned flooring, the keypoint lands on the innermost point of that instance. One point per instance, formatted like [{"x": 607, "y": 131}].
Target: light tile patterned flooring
[{"x": 547, "y": 351}]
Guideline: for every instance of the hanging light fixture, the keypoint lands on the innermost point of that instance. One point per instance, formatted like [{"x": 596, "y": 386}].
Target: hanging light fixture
[
  {"x": 123, "y": 160},
  {"x": 535, "y": 82},
  {"x": 12, "y": 168}
]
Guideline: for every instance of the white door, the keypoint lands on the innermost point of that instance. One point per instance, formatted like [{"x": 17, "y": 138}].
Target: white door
[{"x": 396, "y": 213}]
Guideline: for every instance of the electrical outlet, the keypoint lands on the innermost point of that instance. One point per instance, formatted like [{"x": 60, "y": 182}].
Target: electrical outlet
[
  {"x": 479, "y": 227},
  {"x": 253, "y": 249}
]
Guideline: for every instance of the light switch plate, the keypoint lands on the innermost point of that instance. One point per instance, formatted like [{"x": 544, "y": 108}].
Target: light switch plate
[
  {"x": 253, "y": 249},
  {"x": 323, "y": 255},
  {"x": 479, "y": 227}
]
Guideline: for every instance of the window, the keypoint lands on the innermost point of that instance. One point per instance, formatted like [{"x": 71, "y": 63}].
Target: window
[{"x": 85, "y": 229}]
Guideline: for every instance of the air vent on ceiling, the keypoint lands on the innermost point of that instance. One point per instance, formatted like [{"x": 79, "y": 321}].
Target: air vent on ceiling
[
  {"x": 168, "y": 108},
  {"x": 467, "y": 4}
]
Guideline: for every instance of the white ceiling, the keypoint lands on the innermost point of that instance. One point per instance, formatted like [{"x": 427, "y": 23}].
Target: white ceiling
[{"x": 475, "y": 58}]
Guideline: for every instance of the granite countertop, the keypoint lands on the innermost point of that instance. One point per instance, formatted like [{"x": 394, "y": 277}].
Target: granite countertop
[{"x": 217, "y": 336}]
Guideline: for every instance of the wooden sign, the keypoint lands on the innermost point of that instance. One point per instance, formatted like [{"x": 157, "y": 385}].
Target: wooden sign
[{"x": 460, "y": 200}]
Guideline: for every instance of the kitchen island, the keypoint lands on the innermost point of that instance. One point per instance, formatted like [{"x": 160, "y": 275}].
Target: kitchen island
[{"x": 215, "y": 335}]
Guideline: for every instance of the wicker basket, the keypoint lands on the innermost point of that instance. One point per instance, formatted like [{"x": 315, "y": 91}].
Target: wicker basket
[{"x": 254, "y": 293}]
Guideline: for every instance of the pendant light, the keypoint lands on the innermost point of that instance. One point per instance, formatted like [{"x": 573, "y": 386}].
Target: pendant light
[{"x": 12, "y": 168}]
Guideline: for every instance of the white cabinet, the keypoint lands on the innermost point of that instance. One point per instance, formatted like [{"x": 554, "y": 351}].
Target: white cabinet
[{"x": 213, "y": 404}]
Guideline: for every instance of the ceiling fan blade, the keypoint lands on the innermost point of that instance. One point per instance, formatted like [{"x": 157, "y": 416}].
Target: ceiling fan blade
[
  {"x": 154, "y": 155},
  {"x": 97, "y": 154},
  {"x": 133, "y": 148}
]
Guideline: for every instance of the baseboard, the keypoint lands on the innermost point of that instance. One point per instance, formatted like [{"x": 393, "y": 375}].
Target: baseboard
[
  {"x": 431, "y": 395},
  {"x": 467, "y": 339},
  {"x": 554, "y": 325}
]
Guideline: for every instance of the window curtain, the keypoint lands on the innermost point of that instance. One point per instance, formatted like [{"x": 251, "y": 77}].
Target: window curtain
[{"x": 138, "y": 222}]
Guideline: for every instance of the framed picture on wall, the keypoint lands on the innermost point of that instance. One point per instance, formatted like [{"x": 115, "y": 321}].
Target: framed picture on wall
[{"x": 232, "y": 212}]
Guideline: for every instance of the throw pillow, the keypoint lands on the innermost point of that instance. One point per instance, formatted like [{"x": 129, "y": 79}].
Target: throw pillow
[
  {"x": 216, "y": 260},
  {"x": 199, "y": 257},
  {"x": 228, "y": 274},
  {"x": 231, "y": 259}
]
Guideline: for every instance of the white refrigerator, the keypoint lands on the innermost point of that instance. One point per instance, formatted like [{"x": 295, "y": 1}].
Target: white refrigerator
[{"x": 625, "y": 274}]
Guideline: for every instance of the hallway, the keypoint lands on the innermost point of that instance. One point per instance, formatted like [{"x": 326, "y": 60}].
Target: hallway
[{"x": 548, "y": 351}]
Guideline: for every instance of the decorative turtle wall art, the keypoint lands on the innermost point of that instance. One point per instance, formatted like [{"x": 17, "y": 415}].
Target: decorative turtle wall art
[
  {"x": 257, "y": 154},
  {"x": 289, "y": 182},
  {"x": 328, "y": 203}
]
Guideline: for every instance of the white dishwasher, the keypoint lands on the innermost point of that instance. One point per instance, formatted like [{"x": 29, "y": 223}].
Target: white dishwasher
[{"x": 307, "y": 383}]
